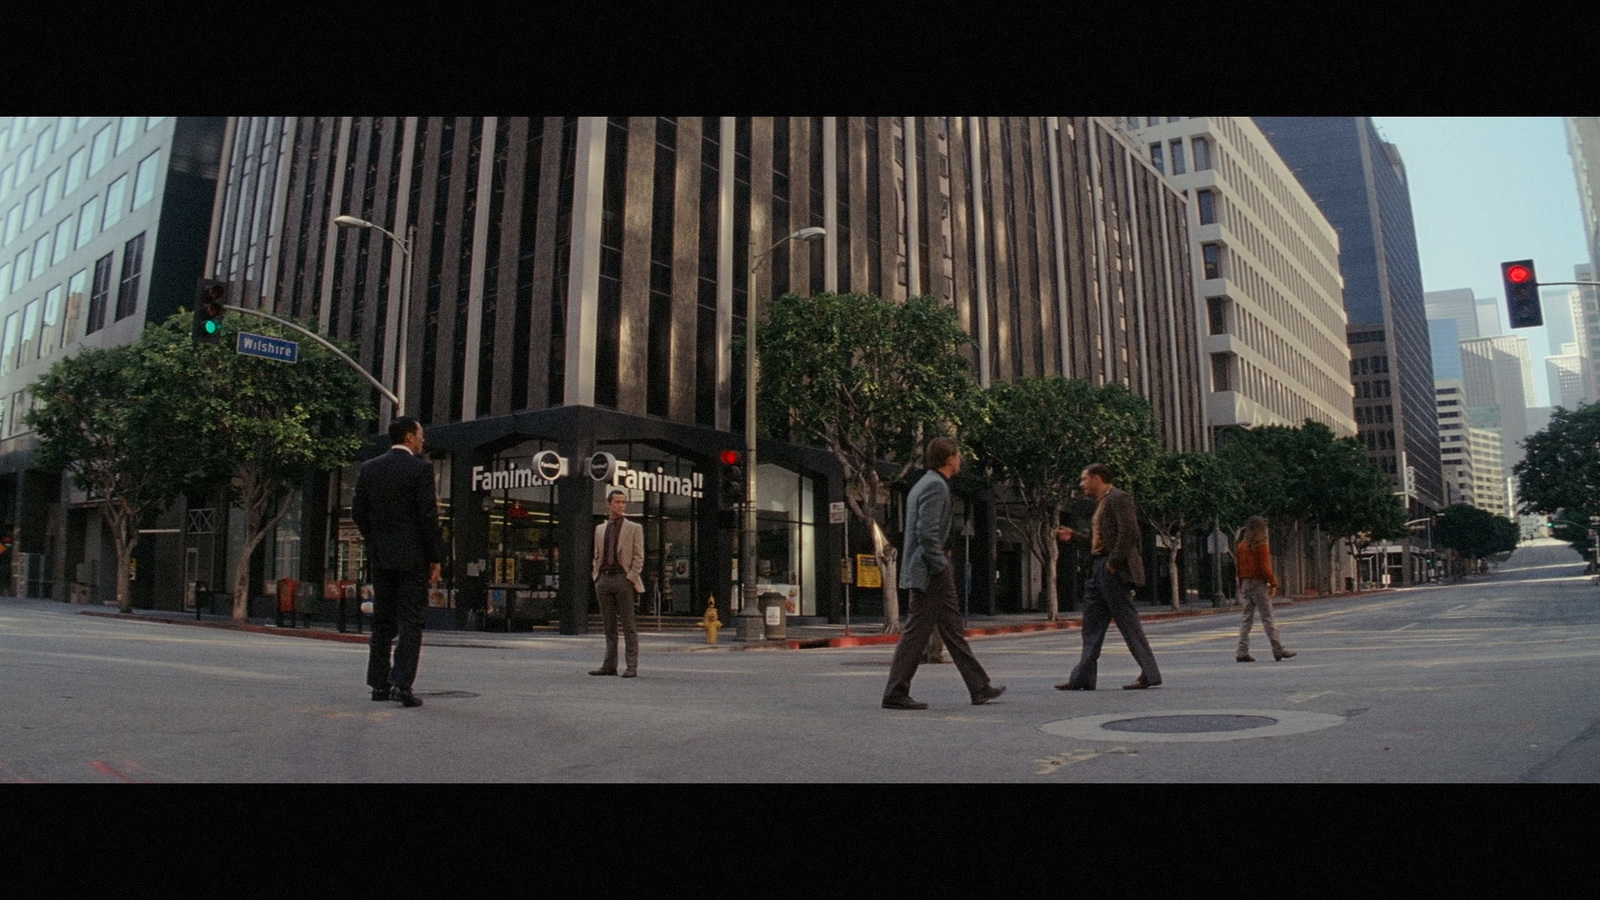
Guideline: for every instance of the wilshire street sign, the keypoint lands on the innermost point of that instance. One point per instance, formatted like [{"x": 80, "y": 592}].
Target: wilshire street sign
[{"x": 268, "y": 347}]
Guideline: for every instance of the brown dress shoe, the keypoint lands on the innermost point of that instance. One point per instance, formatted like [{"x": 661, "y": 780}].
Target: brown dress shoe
[
  {"x": 630, "y": 673},
  {"x": 1281, "y": 654},
  {"x": 1244, "y": 657},
  {"x": 1140, "y": 684}
]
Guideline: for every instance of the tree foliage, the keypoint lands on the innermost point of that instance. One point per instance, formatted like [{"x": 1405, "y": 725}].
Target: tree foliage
[
  {"x": 1560, "y": 473},
  {"x": 1034, "y": 436},
  {"x": 1475, "y": 533},
  {"x": 265, "y": 425},
  {"x": 872, "y": 381},
  {"x": 1184, "y": 491},
  {"x": 101, "y": 416}
]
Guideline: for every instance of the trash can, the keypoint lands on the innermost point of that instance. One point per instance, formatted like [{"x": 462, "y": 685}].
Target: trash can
[
  {"x": 775, "y": 615},
  {"x": 285, "y": 600},
  {"x": 1349, "y": 585}
]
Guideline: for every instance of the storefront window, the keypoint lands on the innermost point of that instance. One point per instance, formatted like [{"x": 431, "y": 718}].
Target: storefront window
[
  {"x": 524, "y": 555},
  {"x": 786, "y": 538},
  {"x": 668, "y": 516}
]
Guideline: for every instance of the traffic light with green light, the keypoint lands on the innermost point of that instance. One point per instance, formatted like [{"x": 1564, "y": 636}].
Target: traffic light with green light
[{"x": 209, "y": 302}]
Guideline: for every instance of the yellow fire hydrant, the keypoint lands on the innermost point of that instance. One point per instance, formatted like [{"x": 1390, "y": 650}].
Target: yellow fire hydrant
[{"x": 709, "y": 621}]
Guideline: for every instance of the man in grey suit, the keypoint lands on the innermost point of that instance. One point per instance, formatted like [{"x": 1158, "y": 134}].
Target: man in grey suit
[
  {"x": 927, "y": 571},
  {"x": 1117, "y": 568},
  {"x": 394, "y": 505}
]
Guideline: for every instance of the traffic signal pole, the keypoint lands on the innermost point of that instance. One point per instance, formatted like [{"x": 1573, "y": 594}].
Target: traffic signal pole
[{"x": 331, "y": 348}]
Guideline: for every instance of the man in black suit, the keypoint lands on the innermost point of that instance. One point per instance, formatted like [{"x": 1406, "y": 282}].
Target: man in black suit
[{"x": 394, "y": 505}]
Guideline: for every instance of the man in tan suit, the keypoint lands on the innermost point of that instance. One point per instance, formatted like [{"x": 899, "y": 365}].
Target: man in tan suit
[
  {"x": 618, "y": 563},
  {"x": 1117, "y": 569}
]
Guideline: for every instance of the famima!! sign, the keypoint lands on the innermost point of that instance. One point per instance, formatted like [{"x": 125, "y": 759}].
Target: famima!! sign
[
  {"x": 608, "y": 470},
  {"x": 604, "y": 468}
]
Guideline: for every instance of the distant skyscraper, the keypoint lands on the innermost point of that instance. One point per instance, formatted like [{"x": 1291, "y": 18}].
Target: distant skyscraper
[
  {"x": 1455, "y": 450},
  {"x": 1583, "y": 143},
  {"x": 1445, "y": 342},
  {"x": 1459, "y": 306},
  {"x": 1359, "y": 182},
  {"x": 1499, "y": 380}
]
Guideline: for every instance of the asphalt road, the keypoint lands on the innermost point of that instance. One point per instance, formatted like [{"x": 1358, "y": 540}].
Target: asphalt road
[{"x": 1485, "y": 681}]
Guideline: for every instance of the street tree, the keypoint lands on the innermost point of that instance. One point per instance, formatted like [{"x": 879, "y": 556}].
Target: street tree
[
  {"x": 1184, "y": 491},
  {"x": 1034, "y": 436},
  {"x": 1475, "y": 533},
  {"x": 101, "y": 417},
  {"x": 1559, "y": 475},
  {"x": 872, "y": 381},
  {"x": 265, "y": 425}
]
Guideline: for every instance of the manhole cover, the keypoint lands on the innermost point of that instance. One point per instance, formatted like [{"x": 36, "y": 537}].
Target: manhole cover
[
  {"x": 1188, "y": 724},
  {"x": 446, "y": 695},
  {"x": 1192, "y": 725}
]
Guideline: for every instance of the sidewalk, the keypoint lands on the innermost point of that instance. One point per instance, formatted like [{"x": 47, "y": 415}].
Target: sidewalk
[{"x": 678, "y": 634}]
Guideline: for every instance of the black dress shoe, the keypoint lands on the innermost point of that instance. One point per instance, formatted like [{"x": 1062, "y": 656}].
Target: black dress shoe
[
  {"x": 1073, "y": 686},
  {"x": 630, "y": 673},
  {"x": 406, "y": 698},
  {"x": 987, "y": 694},
  {"x": 381, "y": 693},
  {"x": 603, "y": 672},
  {"x": 1244, "y": 657},
  {"x": 902, "y": 703}
]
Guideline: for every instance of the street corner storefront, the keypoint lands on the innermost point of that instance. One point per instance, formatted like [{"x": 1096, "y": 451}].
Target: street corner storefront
[{"x": 521, "y": 496}]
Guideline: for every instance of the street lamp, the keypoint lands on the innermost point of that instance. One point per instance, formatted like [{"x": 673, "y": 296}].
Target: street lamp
[
  {"x": 751, "y": 624},
  {"x": 399, "y": 336}
]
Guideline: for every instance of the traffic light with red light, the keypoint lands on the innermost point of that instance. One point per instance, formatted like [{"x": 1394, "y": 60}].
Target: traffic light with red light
[
  {"x": 731, "y": 492},
  {"x": 1522, "y": 294},
  {"x": 209, "y": 301}
]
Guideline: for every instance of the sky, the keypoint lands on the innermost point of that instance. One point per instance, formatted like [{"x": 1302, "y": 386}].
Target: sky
[{"x": 1491, "y": 190}]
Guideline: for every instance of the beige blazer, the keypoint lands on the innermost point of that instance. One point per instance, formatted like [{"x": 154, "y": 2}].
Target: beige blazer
[{"x": 630, "y": 551}]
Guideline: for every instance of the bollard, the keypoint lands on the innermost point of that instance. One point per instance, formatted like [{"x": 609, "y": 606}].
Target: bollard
[{"x": 709, "y": 621}]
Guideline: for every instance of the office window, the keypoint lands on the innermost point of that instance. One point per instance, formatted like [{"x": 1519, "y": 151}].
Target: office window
[
  {"x": 77, "y": 167},
  {"x": 1211, "y": 256},
  {"x": 127, "y": 131},
  {"x": 153, "y": 122},
  {"x": 50, "y": 323},
  {"x": 1155, "y": 157},
  {"x": 98, "y": 296},
  {"x": 63, "y": 240},
  {"x": 116, "y": 202},
  {"x": 1219, "y": 372},
  {"x": 132, "y": 268},
  {"x": 88, "y": 215},
  {"x": 1217, "y": 314},
  {"x": 8, "y": 347},
  {"x": 74, "y": 310},
  {"x": 5, "y": 280},
  {"x": 42, "y": 148},
  {"x": 41, "y": 255},
  {"x": 30, "y": 207},
  {"x": 100, "y": 150},
  {"x": 19, "y": 270},
  {"x": 13, "y": 223},
  {"x": 1177, "y": 156},
  {"x": 144, "y": 180},
  {"x": 1207, "y": 203},
  {"x": 1202, "y": 153},
  {"x": 63, "y": 131},
  {"x": 28, "y": 349},
  {"x": 5, "y": 179},
  {"x": 52, "y": 189}
]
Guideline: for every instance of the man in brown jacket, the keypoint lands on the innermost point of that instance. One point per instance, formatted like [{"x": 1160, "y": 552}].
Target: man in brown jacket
[{"x": 1117, "y": 569}]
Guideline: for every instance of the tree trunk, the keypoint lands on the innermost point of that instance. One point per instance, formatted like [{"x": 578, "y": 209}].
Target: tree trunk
[
  {"x": 256, "y": 497},
  {"x": 1052, "y": 560},
  {"x": 889, "y": 570},
  {"x": 1172, "y": 572},
  {"x": 120, "y": 522}
]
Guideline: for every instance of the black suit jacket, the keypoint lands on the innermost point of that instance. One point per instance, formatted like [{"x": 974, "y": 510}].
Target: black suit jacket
[{"x": 394, "y": 506}]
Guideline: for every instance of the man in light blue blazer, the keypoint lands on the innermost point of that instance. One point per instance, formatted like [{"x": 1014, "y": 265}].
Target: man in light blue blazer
[{"x": 927, "y": 571}]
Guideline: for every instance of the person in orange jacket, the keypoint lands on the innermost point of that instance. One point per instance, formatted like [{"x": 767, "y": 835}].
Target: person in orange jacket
[{"x": 1257, "y": 585}]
